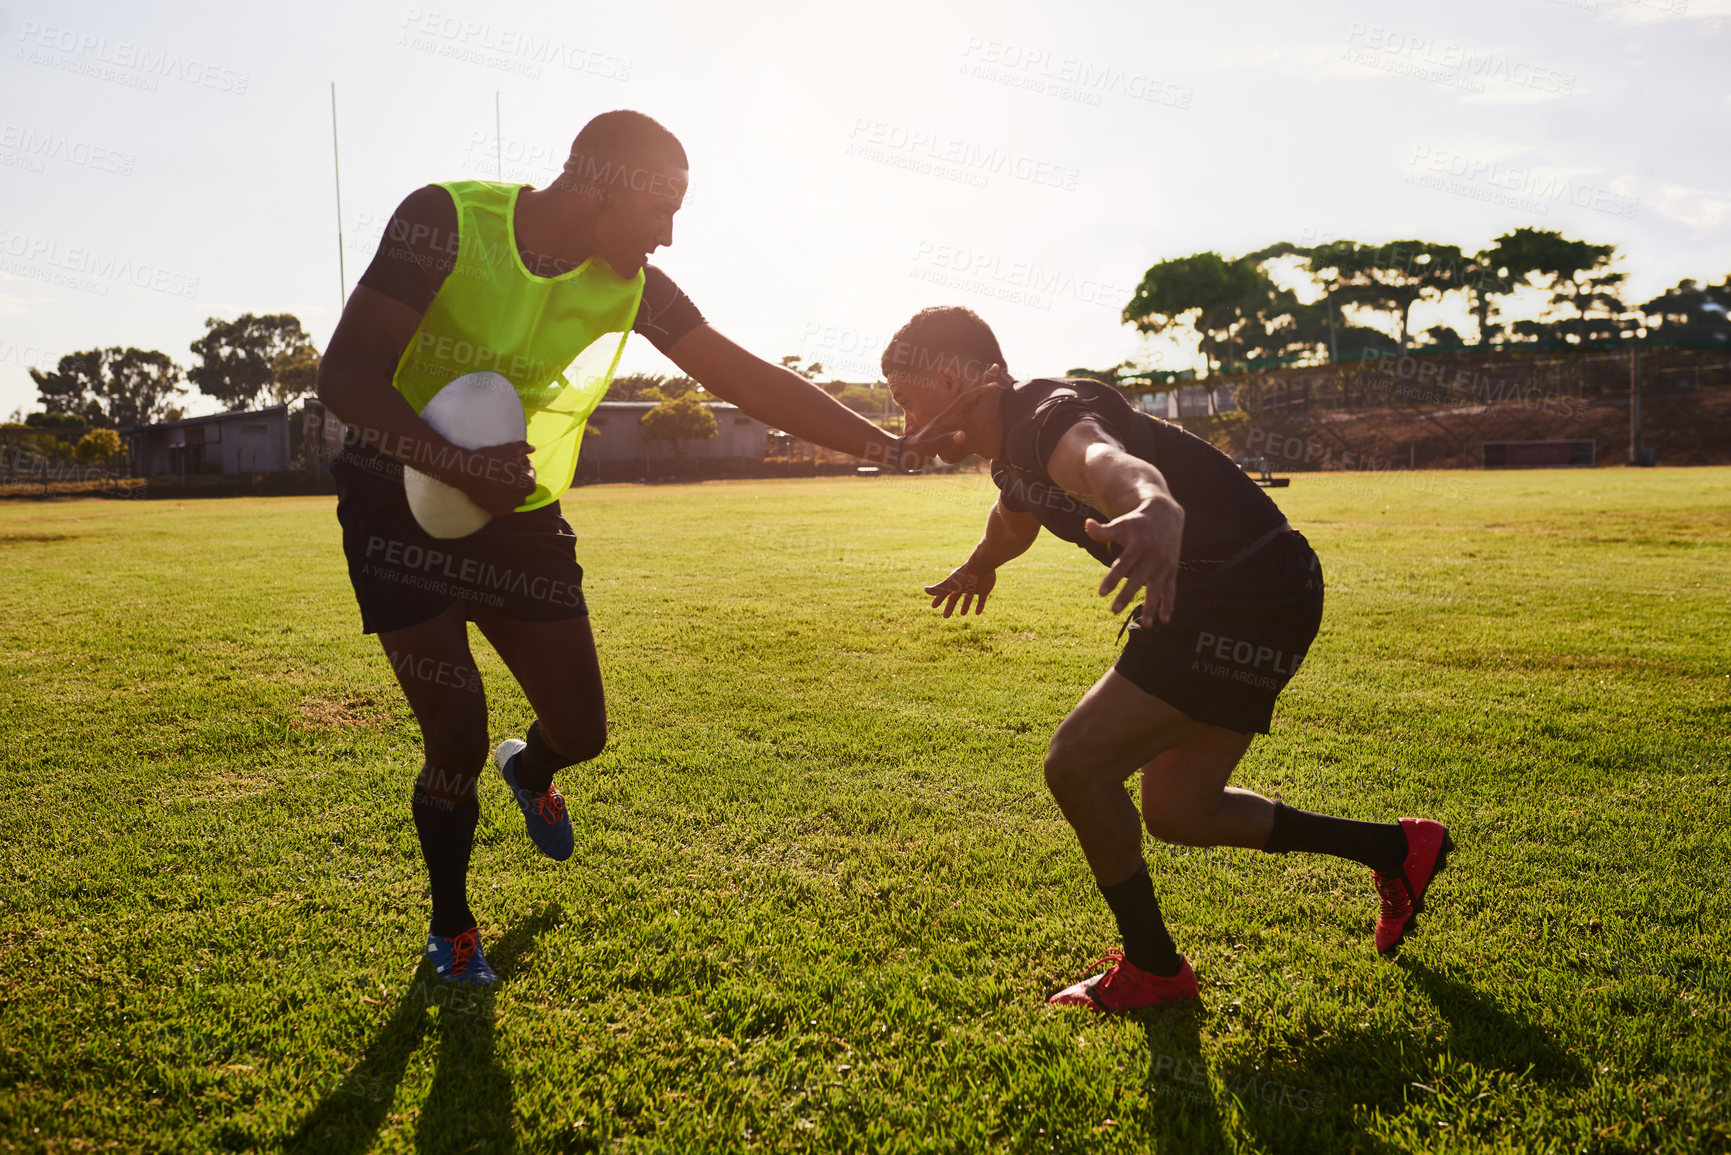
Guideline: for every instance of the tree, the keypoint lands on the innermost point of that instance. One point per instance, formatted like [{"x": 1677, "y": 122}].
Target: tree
[
  {"x": 1691, "y": 314},
  {"x": 862, "y": 399},
  {"x": 1390, "y": 278},
  {"x": 682, "y": 418},
  {"x": 809, "y": 372},
  {"x": 1486, "y": 275},
  {"x": 140, "y": 386},
  {"x": 636, "y": 387},
  {"x": 74, "y": 385},
  {"x": 56, "y": 421},
  {"x": 237, "y": 358},
  {"x": 1237, "y": 313},
  {"x": 294, "y": 374},
  {"x": 111, "y": 386},
  {"x": 1573, "y": 272},
  {"x": 99, "y": 445}
]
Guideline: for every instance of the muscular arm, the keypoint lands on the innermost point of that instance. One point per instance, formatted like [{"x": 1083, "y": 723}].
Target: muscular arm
[
  {"x": 1091, "y": 465},
  {"x": 355, "y": 383},
  {"x": 1008, "y": 536},
  {"x": 1146, "y": 523},
  {"x": 777, "y": 396}
]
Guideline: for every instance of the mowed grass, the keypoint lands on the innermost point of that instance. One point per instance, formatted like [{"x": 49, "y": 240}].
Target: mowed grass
[{"x": 820, "y": 892}]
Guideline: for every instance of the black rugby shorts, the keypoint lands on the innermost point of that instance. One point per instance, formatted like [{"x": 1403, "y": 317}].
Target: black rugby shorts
[
  {"x": 1237, "y": 636},
  {"x": 524, "y": 565}
]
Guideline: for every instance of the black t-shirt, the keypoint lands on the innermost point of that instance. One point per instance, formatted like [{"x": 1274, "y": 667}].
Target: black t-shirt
[
  {"x": 1224, "y": 511},
  {"x": 419, "y": 248}
]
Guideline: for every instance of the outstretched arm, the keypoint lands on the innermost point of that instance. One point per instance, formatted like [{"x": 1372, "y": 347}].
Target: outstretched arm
[
  {"x": 778, "y": 396},
  {"x": 1008, "y": 535},
  {"x": 1147, "y": 524}
]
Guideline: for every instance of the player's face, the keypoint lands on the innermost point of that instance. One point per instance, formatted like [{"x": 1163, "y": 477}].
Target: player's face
[
  {"x": 920, "y": 396},
  {"x": 942, "y": 403},
  {"x": 638, "y": 217}
]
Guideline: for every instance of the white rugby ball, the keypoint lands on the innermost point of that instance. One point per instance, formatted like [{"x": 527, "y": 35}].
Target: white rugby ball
[{"x": 473, "y": 411}]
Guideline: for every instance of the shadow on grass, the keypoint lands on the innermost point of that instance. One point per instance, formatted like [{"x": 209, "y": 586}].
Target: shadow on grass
[
  {"x": 1309, "y": 1102},
  {"x": 1487, "y": 1036},
  {"x": 468, "y": 1107},
  {"x": 1183, "y": 1112}
]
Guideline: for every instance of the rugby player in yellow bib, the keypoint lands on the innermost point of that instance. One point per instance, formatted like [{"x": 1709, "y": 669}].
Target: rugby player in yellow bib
[{"x": 543, "y": 288}]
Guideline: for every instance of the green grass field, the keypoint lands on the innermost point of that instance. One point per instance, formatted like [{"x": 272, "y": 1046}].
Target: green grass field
[{"x": 820, "y": 892}]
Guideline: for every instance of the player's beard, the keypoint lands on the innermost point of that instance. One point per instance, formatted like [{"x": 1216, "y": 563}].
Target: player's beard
[{"x": 960, "y": 414}]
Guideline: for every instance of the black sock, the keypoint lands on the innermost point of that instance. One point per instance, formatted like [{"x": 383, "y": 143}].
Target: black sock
[
  {"x": 447, "y": 830},
  {"x": 536, "y": 761},
  {"x": 1146, "y": 943},
  {"x": 1378, "y": 845}
]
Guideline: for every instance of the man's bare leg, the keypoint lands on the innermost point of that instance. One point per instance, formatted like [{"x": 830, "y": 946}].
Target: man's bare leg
[
  {"x": 1113, "y": 732},
  {"x": 436, "y": 670},
  {"x": 555, "y": 664},
  {"x": 1118, "y": 728}
]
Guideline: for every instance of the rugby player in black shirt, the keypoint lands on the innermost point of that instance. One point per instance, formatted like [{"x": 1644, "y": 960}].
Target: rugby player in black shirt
[
  {"x": 1233, "y": 600},
  {"x": 517, "y": 578}
]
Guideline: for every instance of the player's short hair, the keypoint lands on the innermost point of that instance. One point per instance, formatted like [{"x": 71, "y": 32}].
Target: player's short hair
[
  {"x": 625, "y": 148},
  {"x": 944, "y": 338}
]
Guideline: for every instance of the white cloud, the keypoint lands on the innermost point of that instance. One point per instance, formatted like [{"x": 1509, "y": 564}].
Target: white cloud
[
  {"x": 1696, "y": 207},
  {"x": 1656, "y": 11},
  {"x": 13, "y": 305}
]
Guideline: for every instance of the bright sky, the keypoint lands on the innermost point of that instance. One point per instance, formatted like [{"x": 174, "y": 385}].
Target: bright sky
[{"x": 164, "y": 163}]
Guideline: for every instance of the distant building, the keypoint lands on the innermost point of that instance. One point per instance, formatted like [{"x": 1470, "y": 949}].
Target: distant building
[
  {"x": 616, "y": 434},
  {"x": 1188, "y": 401},
  {"x": 255, "y": 442}
]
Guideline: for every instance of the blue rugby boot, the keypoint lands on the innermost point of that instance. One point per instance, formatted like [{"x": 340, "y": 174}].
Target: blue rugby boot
[
  {"x": 543, "y": 814},
  {"x": 458, "y": 959}
]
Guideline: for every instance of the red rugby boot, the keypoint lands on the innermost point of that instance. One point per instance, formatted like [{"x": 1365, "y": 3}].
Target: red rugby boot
[
  {"x": 1127, "y": 987},
  {"x": 1428, "y": 845}
]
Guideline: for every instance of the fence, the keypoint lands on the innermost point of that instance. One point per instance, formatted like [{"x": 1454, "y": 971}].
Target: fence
[{"x": 1421, "y": 379}]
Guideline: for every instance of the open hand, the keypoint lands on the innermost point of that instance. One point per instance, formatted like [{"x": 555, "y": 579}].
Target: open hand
[
  {"x": 964, "y": 585},
  {"x": 1148, "y": 539}
]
